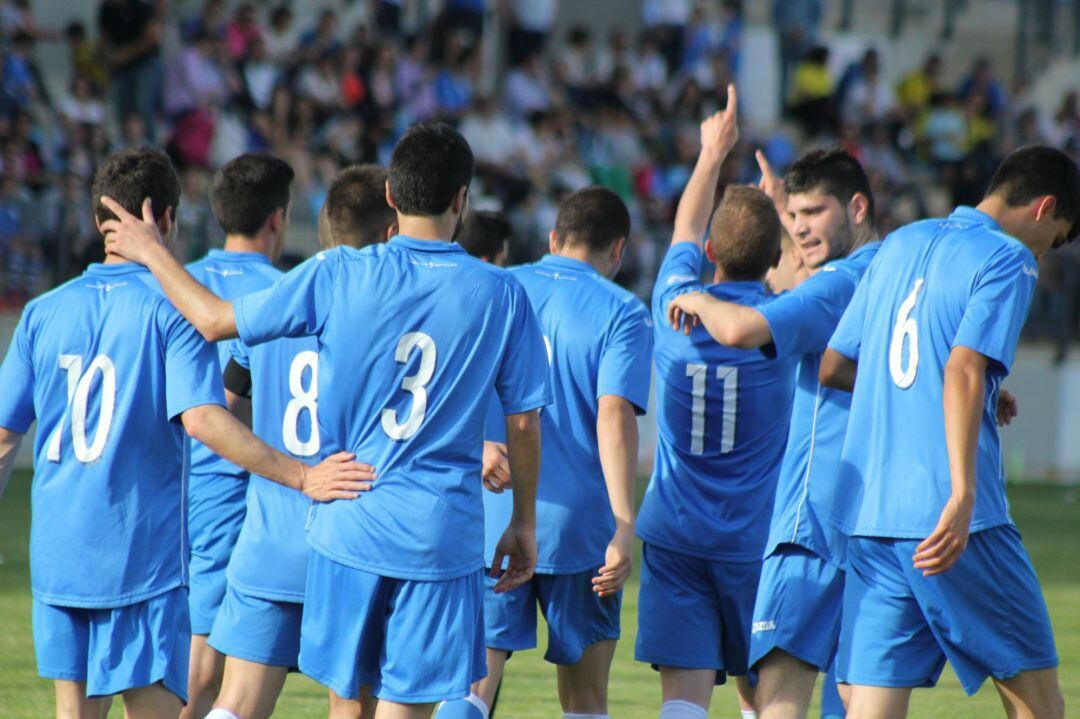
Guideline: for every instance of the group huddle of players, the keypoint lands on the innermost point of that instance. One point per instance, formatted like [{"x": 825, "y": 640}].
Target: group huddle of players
[{"x": 827, "y": 494}]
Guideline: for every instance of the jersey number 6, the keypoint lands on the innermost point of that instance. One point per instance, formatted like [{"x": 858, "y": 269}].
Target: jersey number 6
[{"x": 905, "y": 332}]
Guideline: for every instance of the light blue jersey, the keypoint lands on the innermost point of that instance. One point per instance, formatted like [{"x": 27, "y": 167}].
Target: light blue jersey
[
  {"x": 936, "y": 285},
  {"x": 412, "y": 336},
  {"x": 270, "y": 558},
  {"x": 801, "y": 322},
  {"x": 722, "y": 417},
  {"x": 106, "y": 366},
  {"x": 599, "y": 341},
  {"x": 228, "y": 275}
]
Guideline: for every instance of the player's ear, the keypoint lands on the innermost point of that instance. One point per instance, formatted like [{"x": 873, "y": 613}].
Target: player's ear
[
  {"x": 460, "y": 200},
  {"x": 1045, "y": 207},
  {"x": 553, "y": 242},
  {"x": 389, "y": 198},
  {"x": 617, "y": 250},
  {"x": 859, "y": 208},
  {"x": 709, "y": 252}
]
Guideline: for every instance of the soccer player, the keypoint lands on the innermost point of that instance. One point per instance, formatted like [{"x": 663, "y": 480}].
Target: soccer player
[
  {"x": 258, "y": 626},
  {"x": 796, "y": 620},
  {"x": 936, "y": 567},
  {"x": 412, "y": 337},
  {"x": 599, "y": 344},
  {"x": 250, "y": 200},
  {"x": 486, "y": 235},
  {"x": 114, "y": 375},
  {"x": 722, "y": 416}
]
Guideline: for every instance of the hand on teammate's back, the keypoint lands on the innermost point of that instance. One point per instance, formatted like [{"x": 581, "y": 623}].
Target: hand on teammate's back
[
  {"x": 337, "y": 477},
  {"x": 683, "y": 313},
  {"x": 496, "y": 471},
  {"x": 518, "y": 543},
  {"x": 129, "y": 236},
  {"x": 618, "y": 564}
]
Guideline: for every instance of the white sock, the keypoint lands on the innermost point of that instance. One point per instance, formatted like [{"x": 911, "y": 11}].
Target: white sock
[
  {"x": 679, "y": 709},
  {"x": 749, "y": 714},
  {"x": 477, "y": 702},
  {"x": 221, "y": 714},
  {"x": 568, "y": 715}
]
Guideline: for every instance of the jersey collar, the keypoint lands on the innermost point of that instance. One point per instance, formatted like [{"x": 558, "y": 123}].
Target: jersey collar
[
  {"x": 568, "y": 263},
  {"x": 412, "y": 243},
  {"x": 234, "y": 256},
  {"x": 970, "y": 214},
  {"x": 103, "y": 270}
]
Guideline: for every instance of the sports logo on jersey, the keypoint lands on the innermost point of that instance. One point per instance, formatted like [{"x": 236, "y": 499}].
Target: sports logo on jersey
[
  {"x": 225, "y": 272},
  {"x": 556, "y": 276},
  {"x": 672, "y": 279},
  {"x": 1030, "y": 271},
  {"x": 433, "y": 265},
  {"x": 107, "y": 286},
  {"x": 760, "y": 627}
]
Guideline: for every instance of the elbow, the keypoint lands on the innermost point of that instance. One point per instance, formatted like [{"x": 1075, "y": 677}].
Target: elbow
[
  {"x": 196, "y": 423},
  {"x": 525, "y": 425},
  {"x": 211, "y": 330}
]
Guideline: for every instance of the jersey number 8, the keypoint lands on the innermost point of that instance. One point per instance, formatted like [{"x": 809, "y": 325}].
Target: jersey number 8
[
  {"x": 78, "y": 398},
  {"x": 302, "y": 399}
]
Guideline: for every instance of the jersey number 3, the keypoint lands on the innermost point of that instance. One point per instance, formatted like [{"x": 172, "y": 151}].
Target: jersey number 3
[
  {"x": 729, "y": 376},
  {"x": 416, "y": 385},
  {"x": 905, "y": 332},
  {"x": 78, "y": 399}
]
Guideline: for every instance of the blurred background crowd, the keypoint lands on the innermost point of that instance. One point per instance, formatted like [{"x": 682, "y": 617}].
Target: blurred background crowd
[{"x": 547, "y": 106}]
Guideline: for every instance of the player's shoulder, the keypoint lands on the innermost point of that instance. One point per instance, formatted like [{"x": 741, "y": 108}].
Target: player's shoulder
[{"x": 56, "y": 299}]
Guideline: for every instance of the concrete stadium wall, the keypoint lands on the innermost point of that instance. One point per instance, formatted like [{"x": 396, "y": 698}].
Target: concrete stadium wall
[{"x": 1041, "y": 444}]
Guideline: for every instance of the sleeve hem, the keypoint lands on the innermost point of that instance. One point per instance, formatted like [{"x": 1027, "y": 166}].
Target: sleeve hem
[
  {"x": 537, "y": 402},
  {"x": 174, "y": 416}
]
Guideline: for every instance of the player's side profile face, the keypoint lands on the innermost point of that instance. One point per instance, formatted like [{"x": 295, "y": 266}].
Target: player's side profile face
[{"x": 822, "y": 228}]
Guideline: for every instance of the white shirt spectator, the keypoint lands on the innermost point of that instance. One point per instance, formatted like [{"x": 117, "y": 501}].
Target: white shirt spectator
[
  {"x": 535, "y": 15},
  {"x": 665, "y": 12},
  {"x": 526, "y": 92},
  {"x": 650, "y": 72},
  {"x": 86, "y": 111},
  {"x": 490, "y": 135}
]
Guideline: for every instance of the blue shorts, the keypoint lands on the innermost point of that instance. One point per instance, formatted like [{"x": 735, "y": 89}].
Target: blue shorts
[
  {"x": 798, "y": 607},
  {"x": 986, "y": 615},
  {"x": 258, "y": 630},
  {"x": 412, "y": 642},
  {"x": 576, "y": 617},
  {"x": 694, "y": 613},
  {"x": 214, "y": 519},
  {"x": 114, "y": 650}
]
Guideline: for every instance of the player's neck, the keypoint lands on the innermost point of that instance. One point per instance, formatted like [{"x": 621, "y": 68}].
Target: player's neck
[
  {"x": 241, "y": 243},
  {"x": 432, "y": 229},
  {"x": 114, "y": 260},
  {"x": 582, "y": 254},
  {"x": 1010, "y": 219}
]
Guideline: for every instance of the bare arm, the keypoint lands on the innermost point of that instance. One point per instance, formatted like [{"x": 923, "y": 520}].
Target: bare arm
[
  {"x": 9, "y": 447},
  {"x": 140, "y": 241},
  {"x": 719, "y": 134},
  {"x": 337, "y": 477},
  {"x": 239, "y": 407},
  {"x": 837, "y": 371},
  {"x": 617, "y": 439},
  {"x": 519, "y": 540},
  {"x": 728, "y": 323},
  {"x": 963, "y": 397}
]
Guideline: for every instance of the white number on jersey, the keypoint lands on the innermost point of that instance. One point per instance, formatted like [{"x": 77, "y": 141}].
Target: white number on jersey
[
  {"x": 302, "y": 399},
  {"x": 414, "y": 385},
  {"x": 78, "y": 398},
  {"x": 729, "y": 376},
  {"x": 905, "y": 331}
]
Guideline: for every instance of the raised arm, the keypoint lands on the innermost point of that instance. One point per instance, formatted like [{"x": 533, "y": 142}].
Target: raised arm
[
  {"x": 139, "y": 240},
  {"x": 617, "y": 439},
  {"x": 336, "y": 477},
  {"x": 719, "y": 133},
  {"x": 518, "y": 542},
  {"x": 9, "y": 447},
  {"x": 964, "y": 395},
  {"x": 773, "y": 186}
]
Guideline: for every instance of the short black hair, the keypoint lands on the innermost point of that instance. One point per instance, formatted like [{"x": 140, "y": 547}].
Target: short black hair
[
  {"x": 1033, "y": 172},
  {"x": 247, "y": 190},
  {"x": 130, "y": 176},
  {"x": 593, "y": 216},
  {"x": 430, "y": 163},
  {"x": 485, "y": 234},
  {"x": 744, "y": 234},
  {"x": 356, "y": 206},
  {"x": 833, "y": 171}
]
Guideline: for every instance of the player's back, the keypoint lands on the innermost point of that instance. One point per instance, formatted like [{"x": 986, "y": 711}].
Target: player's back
[
  {"x": 722, "y": 420},
  {"x": 935, "y": 285},
  {"x": 412, "y": 335},
  {"x": 113, "y": 363},
  {"x": 598, "y": 341}
]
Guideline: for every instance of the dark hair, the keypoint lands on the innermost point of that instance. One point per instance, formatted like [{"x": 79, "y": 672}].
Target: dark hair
[
  {"x": 831, "y": 171},
  {"x": 356, "y": 208},
  {"x": 247, "y": 190},
  {"x": 485, "y": 234},
  {"x": 595, "y": 217},
  {"x": 1037, "y": 171},
  {"x": 75, "y": 30},
  {"x": 430, "y": 163},
  {"x": 744, "y": 234},
  {"x": 130, "y": 176}
]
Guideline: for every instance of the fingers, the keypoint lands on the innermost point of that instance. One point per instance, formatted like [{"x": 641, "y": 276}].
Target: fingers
[
  {"x": 767, "y": 174},
  {"x": 611, "y": 578},
  {"x": 732, "y": 109},
  {"x": 494, "y": 488},
  {"x": 513, "y": 578},
  {"x": 932, "y": 541},
  {"x": 496, "y": 563},
  {"x": 116, "y": 208},
  {"x": 147, "y": 211}
]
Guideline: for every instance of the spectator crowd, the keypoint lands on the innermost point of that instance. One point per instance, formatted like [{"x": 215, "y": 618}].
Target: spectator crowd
[{"x": 565, "y": 107}]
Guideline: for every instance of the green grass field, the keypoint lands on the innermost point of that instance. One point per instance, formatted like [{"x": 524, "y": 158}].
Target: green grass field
[{"x": 1048, "y": 517}]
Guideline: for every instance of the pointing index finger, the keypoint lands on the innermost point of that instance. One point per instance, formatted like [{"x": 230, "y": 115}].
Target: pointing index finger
[
  {"x": 732, "y": 101},
  {"x": 116, "y": 208}
]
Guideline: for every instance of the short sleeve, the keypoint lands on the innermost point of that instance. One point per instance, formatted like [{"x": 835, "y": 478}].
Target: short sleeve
[
  {"x": 847, "y": 339},
  {"x": 522, "y": 379},
  {"x": 192, "y": 367},
  {"x": 295, "y": 306},
  {"x": 17, "y": 376},
  {"x": 626, "y": 360},
  {"x": 998, "y": 306},
  {"x": 680, "y": 272},
  {"x": 802, "y": 321},
  {"x": 241, "y": 354},
  {"x": 495, "y": 422}
]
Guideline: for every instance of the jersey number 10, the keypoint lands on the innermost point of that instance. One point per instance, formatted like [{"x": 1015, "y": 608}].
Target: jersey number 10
[
  {"x": 729, "y": 376},
  {"x": 78, "y": 399}
]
